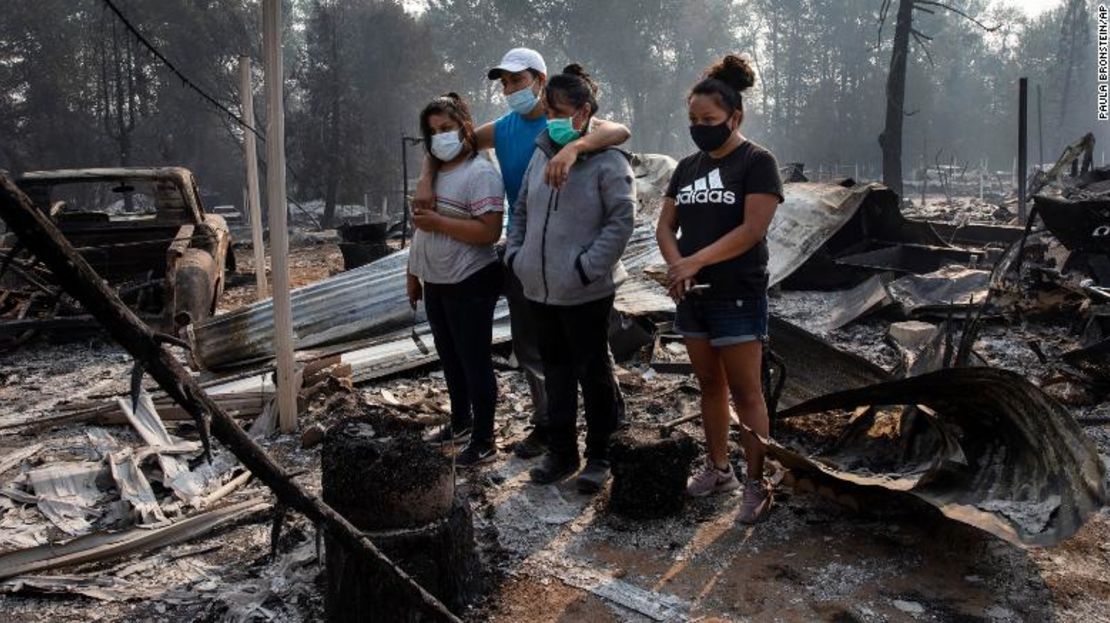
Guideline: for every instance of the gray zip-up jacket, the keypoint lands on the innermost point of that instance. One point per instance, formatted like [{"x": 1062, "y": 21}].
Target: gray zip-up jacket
[{"x": 565, "y": 245}]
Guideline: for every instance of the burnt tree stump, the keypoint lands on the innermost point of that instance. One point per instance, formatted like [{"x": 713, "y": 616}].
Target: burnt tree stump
[
  {"x": 649, "y": 472},
  {"x": 401, "y": 493},
  {"x": 380, "y": 475}
]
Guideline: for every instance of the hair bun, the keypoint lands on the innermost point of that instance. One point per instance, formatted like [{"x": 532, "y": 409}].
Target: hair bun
[
  {"x": 733, "y": 71},
  {"x": 451, "y": 95},
  {"x": 575, "y": 69}
]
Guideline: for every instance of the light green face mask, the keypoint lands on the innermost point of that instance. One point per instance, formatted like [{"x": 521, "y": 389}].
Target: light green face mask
[{"x": 562, "y": 130}]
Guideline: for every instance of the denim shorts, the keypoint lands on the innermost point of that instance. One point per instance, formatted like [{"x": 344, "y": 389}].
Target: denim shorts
[{"x": 723, "y": 322}]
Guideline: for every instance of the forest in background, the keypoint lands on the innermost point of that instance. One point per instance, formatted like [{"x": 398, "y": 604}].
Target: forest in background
[{"x": 79, "y": 90}]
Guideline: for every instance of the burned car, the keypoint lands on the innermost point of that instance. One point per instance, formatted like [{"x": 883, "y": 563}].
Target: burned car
[{"x": 144, "y": 230}]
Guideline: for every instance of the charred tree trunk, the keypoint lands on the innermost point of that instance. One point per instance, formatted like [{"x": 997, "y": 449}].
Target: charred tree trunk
[
  {"x": 331, "y": 192},
  {"x": 891, "y": 138},
  {"x": 331, "y": 189},
  {"x": 78, "y": 279},
  {"x": 1073, "y": 42},
  {"x": 639, "y": 114},
  {"x": 773, "y": 85},
  {"x": 119, "y": 98},
  {"x": 440, "y": 555},
  {"x": 401, "y": 492},
  {"x": 650, "y": 472}
]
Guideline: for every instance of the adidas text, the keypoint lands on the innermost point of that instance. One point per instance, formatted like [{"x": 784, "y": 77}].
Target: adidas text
[{"x": 706, "y": 196}]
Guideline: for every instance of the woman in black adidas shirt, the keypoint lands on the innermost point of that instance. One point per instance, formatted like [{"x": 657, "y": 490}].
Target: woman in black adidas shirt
[{"x": 712, "y": 233}]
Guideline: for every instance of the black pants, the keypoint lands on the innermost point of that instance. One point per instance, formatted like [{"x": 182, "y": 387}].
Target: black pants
[
  {"x": 461, "y": 317},
  {"x": 574, "y": 344}
]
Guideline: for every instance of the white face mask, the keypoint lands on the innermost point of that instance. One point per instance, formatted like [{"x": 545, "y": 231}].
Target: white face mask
[
  {"x": 523, "y": 101},
  {"x": 446, "y": 145}
]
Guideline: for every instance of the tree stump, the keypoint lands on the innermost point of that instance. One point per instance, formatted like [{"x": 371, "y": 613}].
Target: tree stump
[
  {"x": 649, "y": 472},
  {"x": 389, "y": 483},
  {"x": 381, "y": 476},
  {"x": 440, "y": 556}
]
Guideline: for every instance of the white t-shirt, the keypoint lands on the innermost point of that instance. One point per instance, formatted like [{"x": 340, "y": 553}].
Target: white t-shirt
[{"x": 469, "y": 190}]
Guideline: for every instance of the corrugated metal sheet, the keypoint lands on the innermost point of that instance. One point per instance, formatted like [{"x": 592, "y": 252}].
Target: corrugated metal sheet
[
  {"x": 367, "y": 301},
  {"x": 993, "y": 451},
  {"x": 387, "y": 355},
  {"x": 371, "y": 300},
  {"x": 809, "y": 217}
]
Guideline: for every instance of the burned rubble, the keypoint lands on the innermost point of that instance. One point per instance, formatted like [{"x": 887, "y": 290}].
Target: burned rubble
[
  {"x": 938, "y": 391},
  {"x": 145, "y": 230}
]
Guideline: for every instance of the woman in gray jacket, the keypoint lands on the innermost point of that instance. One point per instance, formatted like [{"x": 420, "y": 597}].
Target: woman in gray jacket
[{"x": 565, "y": 246}]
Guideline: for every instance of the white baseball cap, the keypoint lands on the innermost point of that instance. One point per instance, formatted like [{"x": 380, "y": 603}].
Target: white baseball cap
[{"x": 519, "y": 59}]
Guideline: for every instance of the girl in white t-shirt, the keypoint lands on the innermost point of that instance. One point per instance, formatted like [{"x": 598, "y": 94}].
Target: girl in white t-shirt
[{"x": 453, "y": 266}]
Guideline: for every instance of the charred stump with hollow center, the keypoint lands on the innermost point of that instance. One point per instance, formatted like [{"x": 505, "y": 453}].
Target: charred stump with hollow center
[
  {"x": 649, "y": 472},
  {"x": 380, "y": 475}
]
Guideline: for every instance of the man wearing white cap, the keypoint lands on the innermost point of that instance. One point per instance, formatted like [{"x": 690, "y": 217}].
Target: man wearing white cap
[{"x": 523, "y": 74}]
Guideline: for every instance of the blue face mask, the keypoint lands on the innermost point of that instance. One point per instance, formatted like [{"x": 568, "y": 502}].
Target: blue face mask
[
  {"x": 562, "y": 130},
  {"x": 523, "y": 101}
]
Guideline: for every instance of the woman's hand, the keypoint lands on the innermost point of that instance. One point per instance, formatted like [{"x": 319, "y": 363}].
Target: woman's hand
[
  {"x": 683, "y": 270},
  {"x": 426, "y": 220},
  {"x": 558, "y": 168},
  {"x": 678, "y": 290},
  {"x": 424, "y": 198},
  {"x": 415, "y": 290}
]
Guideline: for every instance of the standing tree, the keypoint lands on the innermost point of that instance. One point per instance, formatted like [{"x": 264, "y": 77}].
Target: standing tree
[
  {"x": 327, "y": 84},
  {"x": 125, "y": 93},
  {"x": 349, "y": 106},
  {"x": 1074, "y": 45},
  {"x": 47, "y": 115},
  {"x": 461, "y": 40},
  {"x": 891, "y": 138}
]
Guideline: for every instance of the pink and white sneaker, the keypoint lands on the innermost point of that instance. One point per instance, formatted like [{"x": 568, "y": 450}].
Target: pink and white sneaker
[
  {"x": 711, "y": 480},
  {"x": 758, "y": 497}
]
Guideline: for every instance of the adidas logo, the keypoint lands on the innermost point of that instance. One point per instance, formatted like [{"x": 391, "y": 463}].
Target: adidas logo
[{"x": 708, "y": 189}]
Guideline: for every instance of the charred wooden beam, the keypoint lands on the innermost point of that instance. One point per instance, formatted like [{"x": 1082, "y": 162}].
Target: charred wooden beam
[
  {"x": 79, "y": 279},
  {"x": 49, "y": 323}
]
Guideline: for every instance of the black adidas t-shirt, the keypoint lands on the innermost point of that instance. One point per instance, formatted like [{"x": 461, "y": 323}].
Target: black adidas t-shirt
[{"x": 709, "y": 200}]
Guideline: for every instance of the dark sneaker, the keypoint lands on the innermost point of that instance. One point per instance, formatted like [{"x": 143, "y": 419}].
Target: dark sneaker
[
  {"x": 593, "y": 477},
  {"x": 533, "y": 445},
  {"x": 446, "y": 434},
  {"x": 476, "y": 453},
  {"x": 757, "y": 501},
  {"x": 553, "y": 467}
]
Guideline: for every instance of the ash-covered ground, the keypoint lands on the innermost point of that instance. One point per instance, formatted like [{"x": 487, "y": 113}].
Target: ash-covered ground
[{"x": 552, "y": 554}]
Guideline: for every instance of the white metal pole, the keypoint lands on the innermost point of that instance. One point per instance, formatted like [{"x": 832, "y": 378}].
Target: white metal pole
[
  {"x": 276, "y": 203},
  {"x": 250, "y": 153}
]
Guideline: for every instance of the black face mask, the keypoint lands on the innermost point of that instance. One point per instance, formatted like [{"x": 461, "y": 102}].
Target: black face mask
[{"x": 710, "y": 137}]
